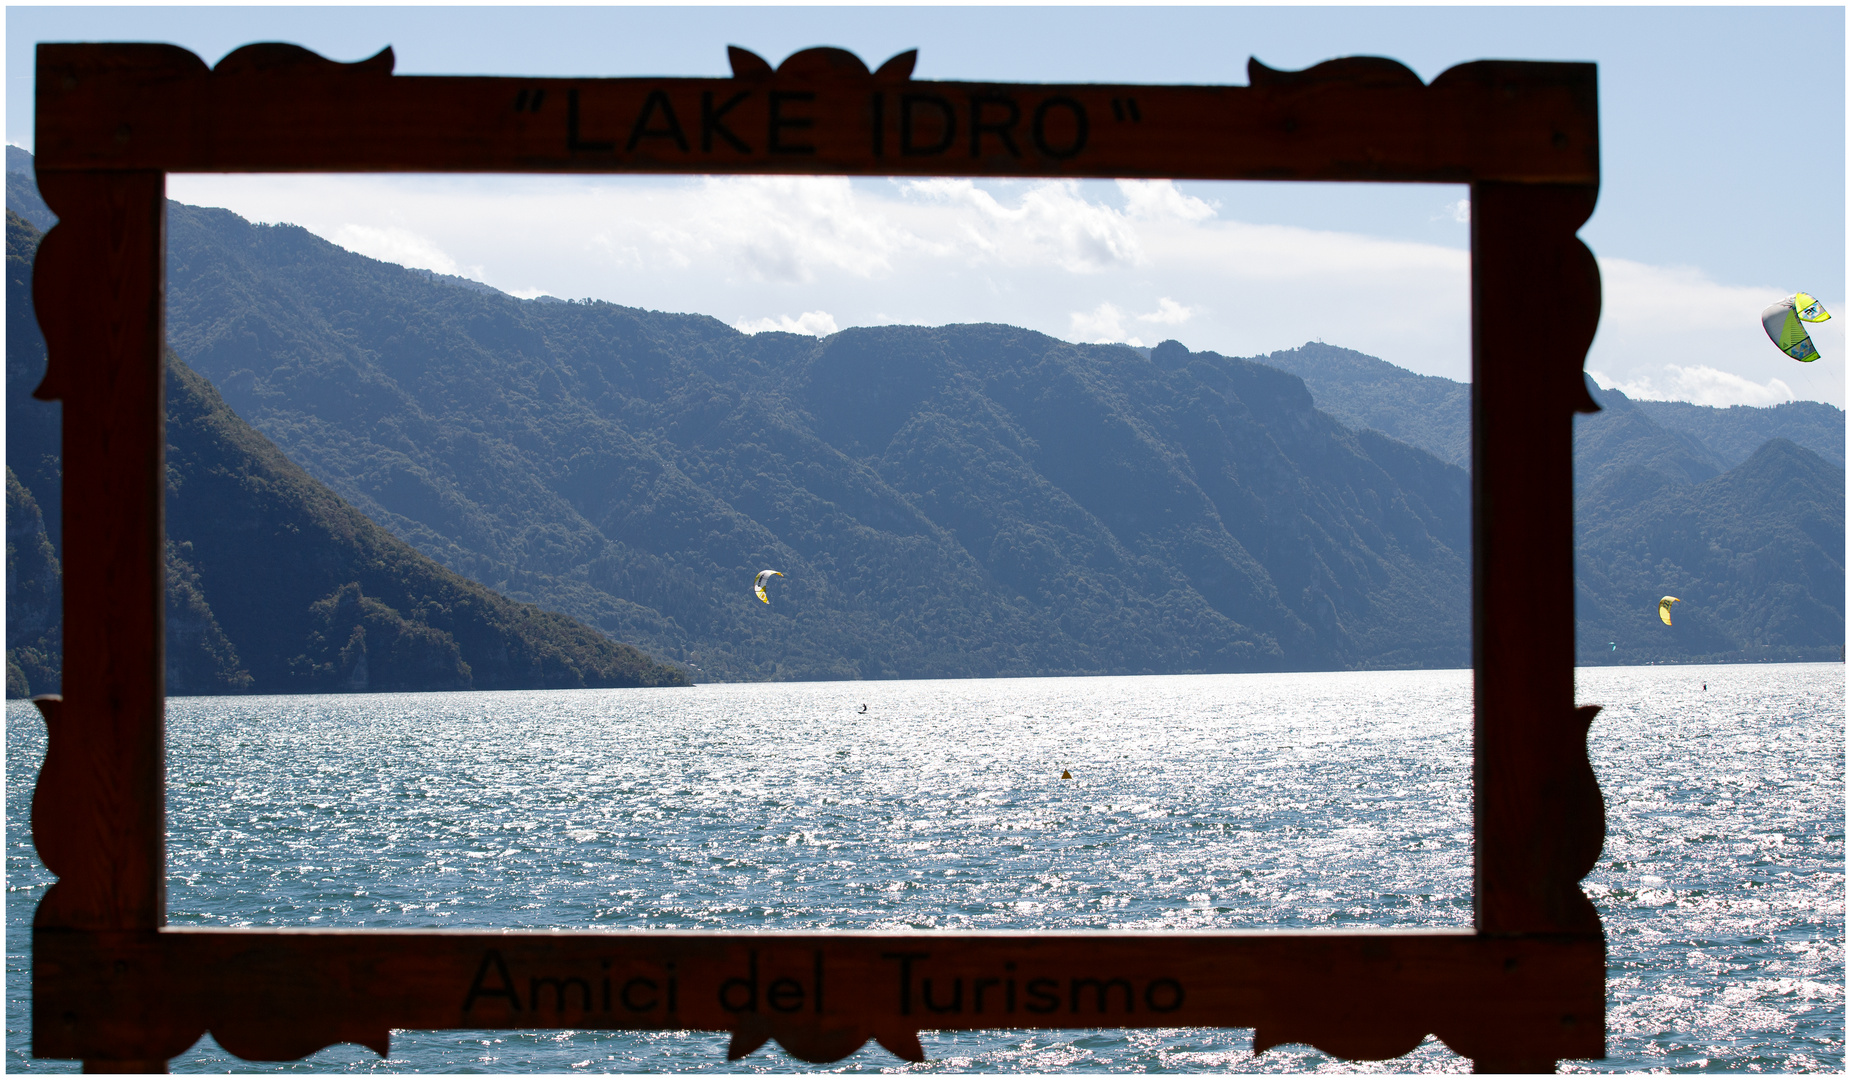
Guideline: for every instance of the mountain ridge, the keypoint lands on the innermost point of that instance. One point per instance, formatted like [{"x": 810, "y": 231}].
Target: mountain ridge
[
  {"x": 274, "y": 584},
  {"x": 622, "y": 465},
  {"x": 946, "y": 501}
]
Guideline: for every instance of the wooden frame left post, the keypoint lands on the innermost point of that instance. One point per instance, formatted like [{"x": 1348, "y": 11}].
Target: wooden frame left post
[{"x": 99, "y": 812}]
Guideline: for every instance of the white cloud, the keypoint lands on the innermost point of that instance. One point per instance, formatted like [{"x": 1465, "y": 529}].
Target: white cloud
[
  {"x": 1460, "y": 211},
  {"x": 1701, "y": 384},
  {"x": 1169, "y": 313},
  {"x": 1671, "y": 332},
  {"x": 1052, "y": 223},
  {"x": 1155, "y": 199},
  {"x": 813, "y": 323},
  {"x": 926, "y": 252},
  {"x": 399, "y": 245},
  {"x": 1104, "y": 325},
  {"x": 781, "y": 228}
]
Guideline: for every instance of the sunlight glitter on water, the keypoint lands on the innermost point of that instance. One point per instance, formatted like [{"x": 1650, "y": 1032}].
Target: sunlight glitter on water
[
  {"x": 1310, "y": 800},
  {"x": 786, "y": 807}
]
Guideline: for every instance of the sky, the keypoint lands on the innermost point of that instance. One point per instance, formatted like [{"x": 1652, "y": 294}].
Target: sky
[{"x": 1723, "y": 186}]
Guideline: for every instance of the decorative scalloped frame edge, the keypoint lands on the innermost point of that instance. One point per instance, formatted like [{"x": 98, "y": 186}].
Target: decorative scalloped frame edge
[{"x": 113, "y": 986}]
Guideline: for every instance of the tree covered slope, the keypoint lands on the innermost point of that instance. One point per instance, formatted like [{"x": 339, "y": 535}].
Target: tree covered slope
[
  {"x": 953, "y": 501},
  {"x": 944, "y": 502},
  {"x": 1755, "y": 550},
  {"x": 274, "y": 583}
]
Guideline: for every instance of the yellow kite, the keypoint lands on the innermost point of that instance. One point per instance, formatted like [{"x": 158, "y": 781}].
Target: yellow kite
[{"x": 1783, "y": 321}]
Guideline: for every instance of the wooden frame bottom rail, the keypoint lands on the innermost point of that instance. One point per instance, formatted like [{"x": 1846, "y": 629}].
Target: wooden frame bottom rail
[{"x": 282, "y": 994}]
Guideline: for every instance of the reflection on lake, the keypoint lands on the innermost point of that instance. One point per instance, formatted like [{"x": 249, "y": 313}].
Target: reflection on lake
[{"x": 1276, "y": 801}]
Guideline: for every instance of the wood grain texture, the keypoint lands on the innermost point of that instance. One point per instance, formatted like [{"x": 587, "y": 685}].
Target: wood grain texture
[
  {"x": 282, "y": 994},
  {"x": 1539, "y": 819},
  {"x": 98, "y": 813},
  {"x": 269, "y": 108},
  {"x": 109, "y": 986}
]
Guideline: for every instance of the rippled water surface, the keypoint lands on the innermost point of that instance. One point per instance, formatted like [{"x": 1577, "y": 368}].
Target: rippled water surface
[{"x": 1313, "y": 800}]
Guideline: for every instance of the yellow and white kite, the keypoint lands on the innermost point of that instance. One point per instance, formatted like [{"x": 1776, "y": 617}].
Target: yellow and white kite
[
  {"x": 758, "y": 586},
  {"x": 1783, "y": 320},
  {"x": 1664, "y": 608}
]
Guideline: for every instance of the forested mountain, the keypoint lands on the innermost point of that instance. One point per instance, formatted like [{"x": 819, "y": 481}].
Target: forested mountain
[
  {"x": 34, "y": 597},
  {"x": 966, "y": 500},
  {"x": 274, "y": 583},
  {"x": 1755, "y": 549},
  {"x": 1756, "y": 554},
  {"x": 1737, "y": 511},
  {"x": 22, "y": 190},
  {"x": 1621, "y": 453},
  {"x": 952, "y": 501}
]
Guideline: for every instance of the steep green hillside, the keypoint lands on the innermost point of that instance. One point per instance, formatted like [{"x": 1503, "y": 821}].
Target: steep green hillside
[
  {"x": 22, "y": 190},
  {"x": 1622, "y": 456},
  {"x": 955, "y": 501},
  {"x": 313, "y": 596},
  {"x": 31, "y": 426},
  {"x": 1737, "y": 511},
  {"x": 1756, "y": 554},
  {"x": 34, "y": 598},
  {"x": 274, "y": 583}
]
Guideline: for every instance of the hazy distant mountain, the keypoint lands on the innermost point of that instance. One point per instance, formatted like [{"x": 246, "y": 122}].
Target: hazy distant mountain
[
  {"x": 1427, "y": 411},
  {"x": 1735, "y": 433},
  {"x": 274, "y": 584},
  {"x": 1738, "y": 511},
  {"x": 313, "y": 596},
  {"x": 1622, "y": 454},
  {"x": 1435, "y": 414}
]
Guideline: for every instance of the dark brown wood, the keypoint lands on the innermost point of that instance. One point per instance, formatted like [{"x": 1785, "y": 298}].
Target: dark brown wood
[
  {"x": 98, "y": 812},
  {"x": 270, "y": 108},
  {"x": 1539, "y": 817},
  {"x": 1512, "y": 1065},
  {"x": 281, "y": 994},
  {"x": 111, "y": 986}
]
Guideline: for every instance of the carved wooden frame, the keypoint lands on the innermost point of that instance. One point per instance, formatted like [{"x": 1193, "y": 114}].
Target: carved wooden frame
[{"x": 113, "y": 986}]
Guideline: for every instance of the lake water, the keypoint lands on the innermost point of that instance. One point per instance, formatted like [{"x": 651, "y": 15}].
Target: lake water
[{"x": 1240, "y": 801}]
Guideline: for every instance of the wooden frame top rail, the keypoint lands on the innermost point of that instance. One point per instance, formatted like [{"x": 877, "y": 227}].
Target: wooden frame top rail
[
  {"x": 273, "y": 108},
  {"x": 115, "y": 987}
]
